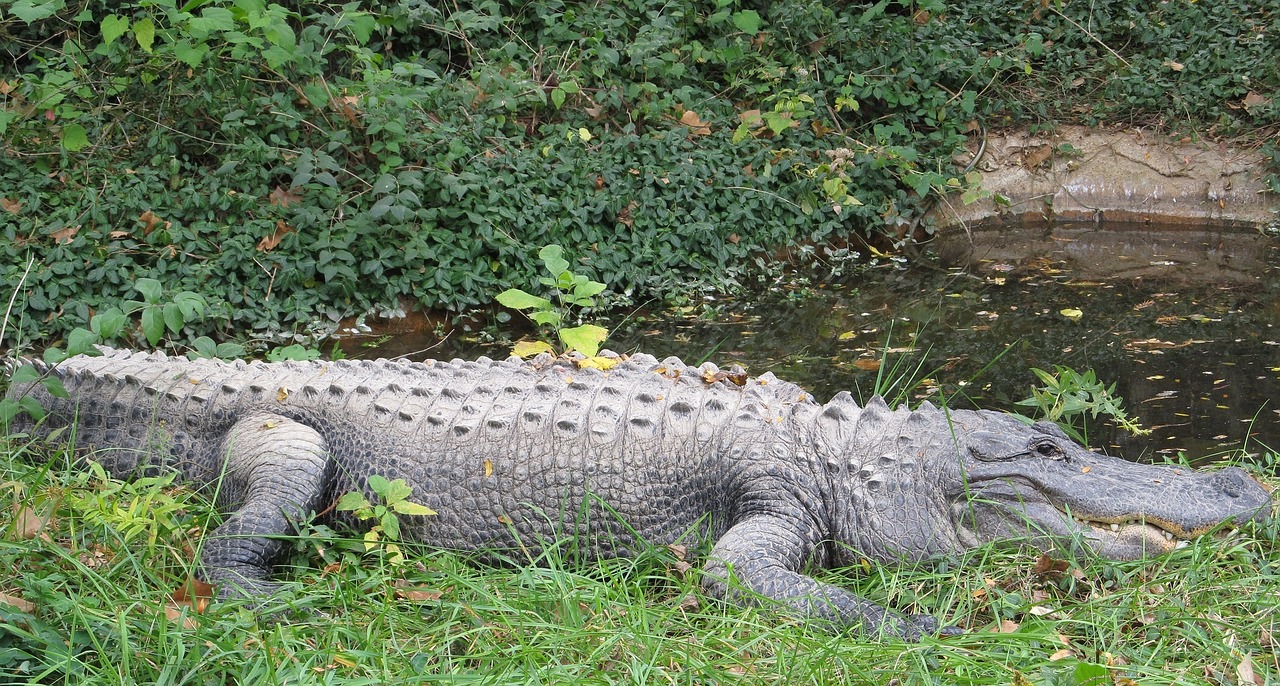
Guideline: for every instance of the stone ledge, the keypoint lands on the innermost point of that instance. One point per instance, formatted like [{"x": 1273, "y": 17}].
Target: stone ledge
[{"x": 1128, "y": 175}]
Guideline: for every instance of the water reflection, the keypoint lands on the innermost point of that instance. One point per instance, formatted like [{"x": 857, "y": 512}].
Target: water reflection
[{"x": 1187, "y": 324}]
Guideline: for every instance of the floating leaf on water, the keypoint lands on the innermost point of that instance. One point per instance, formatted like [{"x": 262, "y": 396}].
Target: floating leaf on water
[{"x": 1071, "y": 313}]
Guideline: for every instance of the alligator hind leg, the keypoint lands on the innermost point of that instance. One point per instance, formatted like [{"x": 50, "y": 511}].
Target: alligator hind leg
[{"x": 275, "y": 474}]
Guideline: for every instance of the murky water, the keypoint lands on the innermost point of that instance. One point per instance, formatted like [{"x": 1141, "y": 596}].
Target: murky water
[{"x": 1185, "y": 323}]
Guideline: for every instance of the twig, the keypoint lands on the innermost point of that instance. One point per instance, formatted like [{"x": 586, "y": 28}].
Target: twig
[
  {"x": 1089, "y": 33},
  {"x": 4, "y": 323}
]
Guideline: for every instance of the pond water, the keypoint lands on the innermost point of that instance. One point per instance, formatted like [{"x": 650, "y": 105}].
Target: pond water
[{"x": 1186, "y": 323}]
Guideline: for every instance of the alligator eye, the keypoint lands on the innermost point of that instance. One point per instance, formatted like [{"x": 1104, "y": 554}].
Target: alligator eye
[{"x": 1048, "y": 449}]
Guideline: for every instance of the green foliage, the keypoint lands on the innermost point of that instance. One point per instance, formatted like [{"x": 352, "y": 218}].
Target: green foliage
[
  {"x": 298, "y": 163},
  {"x": 156, "y": 316},
  {"x": 571, "y": 291},
  {"x": 1067, "y": 396},
  {"x": 385, "y": 516},
  {"x": 293, "y": 351}
]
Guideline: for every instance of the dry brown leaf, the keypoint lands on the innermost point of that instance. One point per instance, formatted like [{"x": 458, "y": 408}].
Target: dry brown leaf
[
  {"x": 1245, "y": 674},
  {"x": 689, "y": 602},
  {"x": 27, "y": 523},
  {"x": 1253, "y": 100},
  {"x": 194, "y": 594},
  {"x": 1034, "y": 157},
  {"x": 65, "y": 235},
  {"x": 269, "y": 243},
  {"x": 867, "y": 364},
  {"x": 697, "y": 127},
  {"x": 624, "y": 216},
  {"x": 96, "y": 557},
  {"x": 150, "y": 221},
  {"x": 1060, "y": 655},
  {"x": 1007, "y": 626},
  {"x": 1176, "y": 66},
  {"x": 20, "y": 603},
  {"x": 418, "y": 594},
  {"x": 176, "y": 613},
  {"x": 346, "y": 106},
  {"x": 10, "y": 206},
  {"x": 280, "y": 197}
]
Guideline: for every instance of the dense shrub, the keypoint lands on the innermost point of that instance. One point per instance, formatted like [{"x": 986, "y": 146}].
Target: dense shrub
[{"x": 299, "y": 162}]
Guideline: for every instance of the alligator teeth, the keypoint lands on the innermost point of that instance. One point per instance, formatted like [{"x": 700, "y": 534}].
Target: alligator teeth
[
  {"x": 1168, "y": 536},
  {"x": 1182, "y": 544},
  {"x": 1115, "y": 527}
]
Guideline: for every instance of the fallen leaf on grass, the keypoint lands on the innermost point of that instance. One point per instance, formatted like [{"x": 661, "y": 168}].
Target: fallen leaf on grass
[
  {"x": 20, "y": 603},
  {"x": 406, "y": 591},
  {"x": 1245, "y": 674},
  {"x": 10, "y": 206},
  {"x": 1060, "y": 655},
  {"x": 27, "y": 523},
  {"x": 1007, "y": 626}
]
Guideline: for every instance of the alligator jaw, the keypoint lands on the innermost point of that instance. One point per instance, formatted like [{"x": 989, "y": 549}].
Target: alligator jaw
[{"x": 1132, "y": 533}]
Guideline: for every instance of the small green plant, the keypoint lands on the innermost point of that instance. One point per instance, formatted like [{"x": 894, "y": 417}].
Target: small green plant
[
  {"x": 296, "y": 351},
  {"x": 570, "y": 291},
  {"x": 1067, "y": 396},
  {"x": 385, "y": 516}
]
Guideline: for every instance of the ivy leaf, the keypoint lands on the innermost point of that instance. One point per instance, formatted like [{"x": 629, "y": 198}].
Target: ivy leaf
[
  {"x": 32, "y": 11},
  {"x": 74, "y": 138},
  {"x": 113, "y": 27},
  {"x": 190, "y": 55},
  {"x": 153, "y": 325},
  {"x": 213, "y": 19},
  {"x": 144, "y": 31},
  {"x": 150, "y": 289},
  {"x": 747, "y": 21}
]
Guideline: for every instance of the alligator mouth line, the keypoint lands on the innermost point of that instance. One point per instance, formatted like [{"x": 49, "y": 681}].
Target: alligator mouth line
[{"x": 1144, "y": 529}]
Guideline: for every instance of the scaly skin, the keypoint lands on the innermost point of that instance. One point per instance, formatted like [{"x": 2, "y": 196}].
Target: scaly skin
[{"x": 517, "y": 457}]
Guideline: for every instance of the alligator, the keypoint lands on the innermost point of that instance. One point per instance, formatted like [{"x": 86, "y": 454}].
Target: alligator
[{"x": 519, "y": 458}]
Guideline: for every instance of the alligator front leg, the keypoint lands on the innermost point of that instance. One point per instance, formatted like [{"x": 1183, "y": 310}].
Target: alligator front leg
[
  {"x": 276, "y": 471},
  {"x": 764, "y": 554}
]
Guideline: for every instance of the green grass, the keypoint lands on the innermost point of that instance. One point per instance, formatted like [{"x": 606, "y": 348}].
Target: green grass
[{"x": 91, "y": 586}]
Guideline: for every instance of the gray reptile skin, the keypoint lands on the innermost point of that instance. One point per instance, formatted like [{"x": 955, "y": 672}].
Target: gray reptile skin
[{"x": 518, "y": 456}]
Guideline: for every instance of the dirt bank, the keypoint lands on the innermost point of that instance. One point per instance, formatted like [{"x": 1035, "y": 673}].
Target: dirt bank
[{"x": 1126, "y": 175}]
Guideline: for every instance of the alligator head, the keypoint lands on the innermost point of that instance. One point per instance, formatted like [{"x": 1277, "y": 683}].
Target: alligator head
[{"x": 955, "y": 480}]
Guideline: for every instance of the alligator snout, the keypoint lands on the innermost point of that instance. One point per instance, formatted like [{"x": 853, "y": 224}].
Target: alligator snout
[{"x": 1242, "y": 491}]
